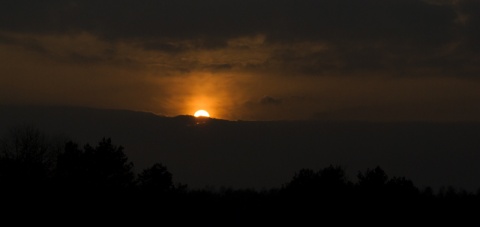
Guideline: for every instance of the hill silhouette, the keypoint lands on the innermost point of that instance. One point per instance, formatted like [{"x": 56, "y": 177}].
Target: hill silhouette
[{"x": 263, "y": 154}]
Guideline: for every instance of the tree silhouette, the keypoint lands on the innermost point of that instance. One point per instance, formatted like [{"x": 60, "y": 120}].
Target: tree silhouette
[
  {"x": 373, "y": 179},
  {"x": 326, "y": 189},
  {"x": 108, "y": 166},
  {"x": 402, "y": 188},
  {"x": 333, "y": 177},
  {"x": 71, "y": 170},
  {"x": 304, "y": 181},
  {"x": 104, "y": 167},
  {"x": 327, "y": 180},
  {"x": 155, "y": 179},
  {"x": 26, "y": 159}
]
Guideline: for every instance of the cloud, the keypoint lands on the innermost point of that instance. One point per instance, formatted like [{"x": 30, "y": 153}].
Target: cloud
[{"x": 268, "y": 100}]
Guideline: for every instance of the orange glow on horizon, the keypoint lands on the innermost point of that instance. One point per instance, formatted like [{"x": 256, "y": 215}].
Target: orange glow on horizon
[
  {"x": 201, "y": 113},
  {"x": 217, "y": 93}
]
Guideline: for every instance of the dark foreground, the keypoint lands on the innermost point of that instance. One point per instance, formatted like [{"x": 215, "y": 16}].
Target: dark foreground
[{"x": 41, "y": 183}]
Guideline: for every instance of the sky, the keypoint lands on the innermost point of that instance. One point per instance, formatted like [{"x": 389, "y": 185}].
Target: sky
[{"x": 375, "y": 60}]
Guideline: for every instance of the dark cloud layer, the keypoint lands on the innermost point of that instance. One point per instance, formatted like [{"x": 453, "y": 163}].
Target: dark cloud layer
[
  {"x": 216, "y": 15},
  {"x": 342, "y": 20},
  {"x": 398, "y": 35}
]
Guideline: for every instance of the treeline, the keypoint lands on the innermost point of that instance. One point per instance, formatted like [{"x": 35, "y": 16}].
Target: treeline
[
  {"x": 34, "y": 170},
  {"x": 29, "y": 160}
]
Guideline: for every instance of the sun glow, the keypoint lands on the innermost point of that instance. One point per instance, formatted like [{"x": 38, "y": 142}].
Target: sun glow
[{"x": 201, "y": 113}]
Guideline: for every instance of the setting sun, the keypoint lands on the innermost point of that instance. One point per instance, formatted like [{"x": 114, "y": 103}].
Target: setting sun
[{"x": 201, "y": 113}]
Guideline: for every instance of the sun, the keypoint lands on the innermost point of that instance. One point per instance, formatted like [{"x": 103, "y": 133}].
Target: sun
[{"x": 201, "y": 113}]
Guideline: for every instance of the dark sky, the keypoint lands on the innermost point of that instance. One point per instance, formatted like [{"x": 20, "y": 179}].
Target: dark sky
[{"x": 244, "y": 59}]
